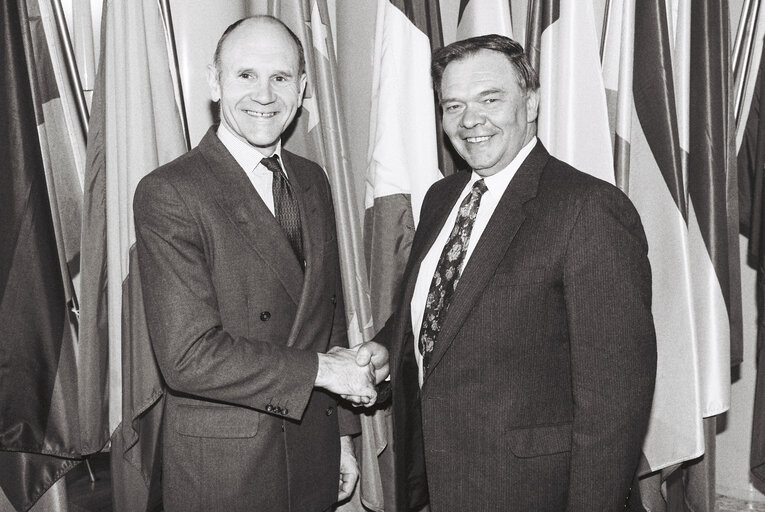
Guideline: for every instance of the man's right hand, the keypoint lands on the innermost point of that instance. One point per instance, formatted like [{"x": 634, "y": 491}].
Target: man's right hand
[{"x": 341, "y": 374}]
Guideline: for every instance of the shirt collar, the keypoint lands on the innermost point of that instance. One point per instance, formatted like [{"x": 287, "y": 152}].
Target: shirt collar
[
  {"x": 248, "y": 157},
  {"x": 498, "y": 182}
]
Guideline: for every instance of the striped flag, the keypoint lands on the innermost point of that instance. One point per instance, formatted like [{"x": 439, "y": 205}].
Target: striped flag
[
  {"x": 134, "y": 128},
  {"x": 38, "y": 443},
  {"x": 403, "y": 158},
  {"x": 481, "y": 17},
  {"x": 562, "y": 43},
  {"x": 649, "y": 169},
  {"x": 667, "y": 67}
]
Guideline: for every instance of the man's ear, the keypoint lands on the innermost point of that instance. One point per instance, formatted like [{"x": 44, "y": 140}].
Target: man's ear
[
  {"x": 213, "y": 82},
  {"x": 532, "y": 106},
  {"x": 302, "y": 82}
]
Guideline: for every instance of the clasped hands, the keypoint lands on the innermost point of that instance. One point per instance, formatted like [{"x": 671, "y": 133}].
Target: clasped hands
[{"x": 353, "y": 373}]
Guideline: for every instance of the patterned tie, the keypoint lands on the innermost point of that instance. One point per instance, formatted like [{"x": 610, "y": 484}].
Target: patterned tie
[
  {"x": 448, "y": 271},
  {"x": 285, "y": 206}
]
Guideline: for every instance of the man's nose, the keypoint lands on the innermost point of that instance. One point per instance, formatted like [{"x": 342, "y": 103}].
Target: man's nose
[
  {"x": 472, "y": 116},
  {"x": 262, "y": 92}
]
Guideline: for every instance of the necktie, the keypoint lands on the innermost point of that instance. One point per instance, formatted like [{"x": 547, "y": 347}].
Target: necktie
[
  {"x": 448, "y": 271},
  {"x": 286, "y": 208}
]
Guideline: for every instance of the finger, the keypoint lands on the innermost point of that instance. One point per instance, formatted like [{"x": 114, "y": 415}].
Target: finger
[
  {"x": 347, "y": 483},
  {"x": 363, "y": 355}
]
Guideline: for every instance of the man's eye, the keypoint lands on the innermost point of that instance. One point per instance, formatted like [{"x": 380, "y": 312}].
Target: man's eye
[
  {"x": 246, "y": 76},
  {"x": 451, "y": 108}
]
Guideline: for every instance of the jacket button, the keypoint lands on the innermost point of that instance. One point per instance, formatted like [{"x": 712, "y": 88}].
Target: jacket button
[
  {"x": 278, "y": 410},
  {"x": 265, "y": 315},
  {"x": 330, "y": 411},
  {"x": 333, "y": 299},
  {"x": 269, "y": 408},
  {"x": 285, "y": 411}
]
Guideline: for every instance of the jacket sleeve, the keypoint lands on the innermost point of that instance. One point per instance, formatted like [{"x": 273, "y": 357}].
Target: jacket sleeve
[
  {"x": 196, "y": 355},
  {"x": 607, "y": 287}
]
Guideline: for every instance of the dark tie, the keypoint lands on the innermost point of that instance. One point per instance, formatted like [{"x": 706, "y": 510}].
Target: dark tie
[
  {"x": 286, "y": 208},
  {"x": 448, "y": 272}
]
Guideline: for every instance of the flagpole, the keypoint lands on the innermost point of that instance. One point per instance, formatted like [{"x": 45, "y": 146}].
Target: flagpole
[
  {"x": 742, "y": 21},
  {"x": 71, "y": 65},
  {"x": 168, "y": 21},
  {"x": 606, "y": 13},
  {"x": 747, "y": 28}
]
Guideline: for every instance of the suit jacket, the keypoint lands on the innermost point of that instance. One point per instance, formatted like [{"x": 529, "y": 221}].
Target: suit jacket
[
  {"x": 235, "y": 324},
  {"x": 540, "y": 385}
]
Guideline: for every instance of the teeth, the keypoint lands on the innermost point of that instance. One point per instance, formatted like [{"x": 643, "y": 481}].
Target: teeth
[
  {"x": 260, "y": 114},
  {"x": 478, "y": 139}
]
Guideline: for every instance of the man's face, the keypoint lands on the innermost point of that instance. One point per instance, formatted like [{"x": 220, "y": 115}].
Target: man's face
[
  {"x": 258, "y": 84},
  {"x": 486, "y": 113}
]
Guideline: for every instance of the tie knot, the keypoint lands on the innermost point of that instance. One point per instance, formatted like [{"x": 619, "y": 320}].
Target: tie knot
[
  {"x": 480, "y": 187},
  {"x": 272, "y": 163}
]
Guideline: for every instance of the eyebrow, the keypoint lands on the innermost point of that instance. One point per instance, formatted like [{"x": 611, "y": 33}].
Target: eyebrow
[{"x": 482, "y": 94}]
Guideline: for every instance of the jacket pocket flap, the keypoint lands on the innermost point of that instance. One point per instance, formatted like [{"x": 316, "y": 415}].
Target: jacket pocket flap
[
  {"x": 221, "y": 421},
  {"x": 542, "y": 440}
]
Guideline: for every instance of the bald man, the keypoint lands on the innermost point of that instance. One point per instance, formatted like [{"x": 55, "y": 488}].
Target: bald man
[{"x": 239, "y": 268}]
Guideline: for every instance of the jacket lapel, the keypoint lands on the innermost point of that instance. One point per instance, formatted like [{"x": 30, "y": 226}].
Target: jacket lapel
[
  {"x": 312, "y": 226},
  {"x": 246, "y": 210},
  {"x": 493, "y": 244}
]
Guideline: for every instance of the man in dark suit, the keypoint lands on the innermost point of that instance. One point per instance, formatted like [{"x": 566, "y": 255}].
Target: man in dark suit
[
  {"x": 523, "y": 351},
  {"x": 239, "y": 268}
]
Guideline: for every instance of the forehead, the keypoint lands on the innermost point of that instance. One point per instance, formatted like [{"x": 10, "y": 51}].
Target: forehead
[
  {"x": 483, "y": 70},
  {"x": 257, "y": 42}
]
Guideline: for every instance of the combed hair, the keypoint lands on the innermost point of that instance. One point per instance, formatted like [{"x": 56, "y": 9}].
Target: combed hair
[
  {"x": 233, "y": 26},
  {"x": 527, "y": 75}
]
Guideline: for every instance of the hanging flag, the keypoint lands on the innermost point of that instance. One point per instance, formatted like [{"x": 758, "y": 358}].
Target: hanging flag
[
  {"x": 480, "y": 17},
  {"x": 319, "y": 135},
  {"x": 563, "y": 44},
  {"x": 38, "y": 444},
  {"x": 402, "y": 159},
  {"x": 649, "y": 169},
  {"x": 134, "y": 128}
]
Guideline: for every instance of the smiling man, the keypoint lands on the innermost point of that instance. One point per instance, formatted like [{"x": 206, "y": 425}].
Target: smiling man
[
  {"x": 239, "y": 268},
  {"x": 523, "y": 350}
]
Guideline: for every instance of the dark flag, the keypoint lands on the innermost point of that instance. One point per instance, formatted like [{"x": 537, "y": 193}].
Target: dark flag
[{"x": 33, "y": 449}]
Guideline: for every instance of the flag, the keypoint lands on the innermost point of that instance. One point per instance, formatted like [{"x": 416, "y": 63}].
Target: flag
[
  {"x": 134, "y": 128},
  {"x": 319, "y": 135},
  {"x": 426, "y": 16},
  {"x": 667, "y": 72},
  {"x": 649, "y": 169},
  {"x": 562, "y": 43},
  {"x": 480, "y": 17},
  {"x": 402, "y": 162},
  {"x": 38, "y": 444}
]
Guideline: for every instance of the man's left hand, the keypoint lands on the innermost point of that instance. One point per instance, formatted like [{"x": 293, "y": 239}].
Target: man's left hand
[{"x": 349, "y": 469}]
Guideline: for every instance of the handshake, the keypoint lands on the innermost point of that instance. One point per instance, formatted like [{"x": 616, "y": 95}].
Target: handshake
[{"x": 353, "y": 373}]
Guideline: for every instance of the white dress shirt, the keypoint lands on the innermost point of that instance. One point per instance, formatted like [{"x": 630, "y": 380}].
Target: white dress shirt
[
  {"x": 496, "y": 185},
  {"x": 249, "y": 159}
]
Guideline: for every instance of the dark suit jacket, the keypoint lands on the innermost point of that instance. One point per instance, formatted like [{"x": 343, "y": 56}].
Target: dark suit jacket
[
  {"x": 540, "y": 386},
  {"x": 235, "y": 325}
]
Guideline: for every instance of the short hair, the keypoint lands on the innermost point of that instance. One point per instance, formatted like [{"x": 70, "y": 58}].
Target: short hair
[
  {"x": 270, "y": 19},
  {"x": 527, "y": 75}
]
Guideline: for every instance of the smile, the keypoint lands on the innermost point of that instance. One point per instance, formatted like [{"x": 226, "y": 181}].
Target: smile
[
  {"x": 264, "y": 115},
  {"x": 478, "y": 140}
]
